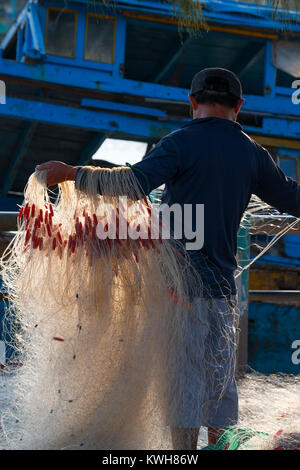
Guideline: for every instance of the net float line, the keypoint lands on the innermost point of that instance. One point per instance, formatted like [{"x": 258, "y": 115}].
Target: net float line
[{"x": 42, "y": 234}]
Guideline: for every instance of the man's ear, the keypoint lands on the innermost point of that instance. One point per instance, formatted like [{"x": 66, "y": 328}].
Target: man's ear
[
  {"x": 238, "y": 107},
  {"x": 193, "y": 102}
]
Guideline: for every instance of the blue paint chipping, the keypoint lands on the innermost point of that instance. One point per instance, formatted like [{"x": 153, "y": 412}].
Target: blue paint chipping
[{"x": 272, "y": 331}]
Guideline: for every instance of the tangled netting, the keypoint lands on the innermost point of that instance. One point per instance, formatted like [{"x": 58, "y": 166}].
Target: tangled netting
[
  {"x": 261, "y": 228},
  {"x": 269, "y": 412},
  {"x": 270, "y": 407},
  {"x": 269, "y": 415},
  {"x": 99, "y": 325}
]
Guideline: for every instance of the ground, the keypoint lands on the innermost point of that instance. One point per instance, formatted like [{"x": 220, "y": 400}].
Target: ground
[{"x": 267, "y": 403}]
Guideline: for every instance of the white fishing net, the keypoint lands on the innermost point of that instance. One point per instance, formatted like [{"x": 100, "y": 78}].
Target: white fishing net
[
  {"x": 264, "y": 227},
  {"x": 103, "y": 328},
  {"x": 270, "y": 406},
  {"x": 99, "y": 326}
]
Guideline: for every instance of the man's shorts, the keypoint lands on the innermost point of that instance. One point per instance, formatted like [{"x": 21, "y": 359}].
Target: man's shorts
[{"x": 207, "y": 392}]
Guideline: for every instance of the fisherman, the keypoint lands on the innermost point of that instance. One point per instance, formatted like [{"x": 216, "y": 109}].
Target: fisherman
[{"x": 210, "y": 161}]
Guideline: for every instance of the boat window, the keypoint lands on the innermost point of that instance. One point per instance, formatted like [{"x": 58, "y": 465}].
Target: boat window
[
  {"x": 100, "y": 38},
  {"x": 287, "y": 62},
  {"x": 61, "y": 32}
]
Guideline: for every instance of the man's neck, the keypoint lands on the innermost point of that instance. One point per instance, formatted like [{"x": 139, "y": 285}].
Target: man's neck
[{"x": 218, "y": 111}]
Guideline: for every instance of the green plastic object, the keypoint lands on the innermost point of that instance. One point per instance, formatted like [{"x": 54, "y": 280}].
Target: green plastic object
[{"x": 233, "y": 438}]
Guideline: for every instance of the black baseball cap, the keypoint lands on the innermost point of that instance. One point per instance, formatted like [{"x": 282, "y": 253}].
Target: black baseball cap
[{"x": 228, "y": 81}]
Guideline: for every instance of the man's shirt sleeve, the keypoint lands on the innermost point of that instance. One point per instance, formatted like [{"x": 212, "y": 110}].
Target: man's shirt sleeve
[
  {"x": 159, "y": 166},
  {"x": 275, "y": 188}
]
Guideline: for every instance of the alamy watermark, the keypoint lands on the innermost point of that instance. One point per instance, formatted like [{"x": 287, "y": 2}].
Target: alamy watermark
[
  {"x": 135, "y": 221},
  {"x": 2, "y": 92},
  {"x": 296, "y": 93},
  {"x": 296, "y": 353}
]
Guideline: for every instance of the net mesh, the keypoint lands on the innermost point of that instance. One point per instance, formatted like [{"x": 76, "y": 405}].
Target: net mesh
[
  {"x": 99, "y": 326},
  {"x": 102, "y": 328},
  {"x": 270, "y": 406},
  {"x": 264, "y": 227}
]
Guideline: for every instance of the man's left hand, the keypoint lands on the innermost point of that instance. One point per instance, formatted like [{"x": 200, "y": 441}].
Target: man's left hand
[{"x": 58, "y": 172}]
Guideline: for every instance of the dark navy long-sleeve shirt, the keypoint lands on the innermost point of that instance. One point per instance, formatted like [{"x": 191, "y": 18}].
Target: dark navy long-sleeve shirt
[{"x": 211, "y": 161}]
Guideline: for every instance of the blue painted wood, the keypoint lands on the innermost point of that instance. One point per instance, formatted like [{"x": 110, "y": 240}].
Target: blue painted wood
[
  {"x": 121, "y": 125},
  {"x": 104, "y": 121},
  {"x": 282, "y": 127},
  {"x": 229, "y": 12},
  {"x": 104, "y": 80},
  {"x": 292, "y": 246},
  {"x": 288, "y": 152},
  {"x": 124, "y": 108},
  {"x": 20, "y": 44},
  {"x": 272, "y": 330},
  {"x": 79, "y": 61},
  {"x": 120, "y": 47},
  {"x": 80, "y": 42},
  {"x": 289, "y": 166},
  {"x": 278, "y": 260},
  {"x": 87, "y": 78},
  {"x": 91, "y": 79},
  {"x": 38, "y": 46},
  {"x": 279, "y": 106},
  {"x": 270, "y": 70},
  {"x": 281, "y": 91}
]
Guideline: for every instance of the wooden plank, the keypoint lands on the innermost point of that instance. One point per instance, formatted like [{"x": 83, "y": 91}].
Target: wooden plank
[
  {"x": 272, "y": 278},
  {"x": 276, "y": 142}
]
